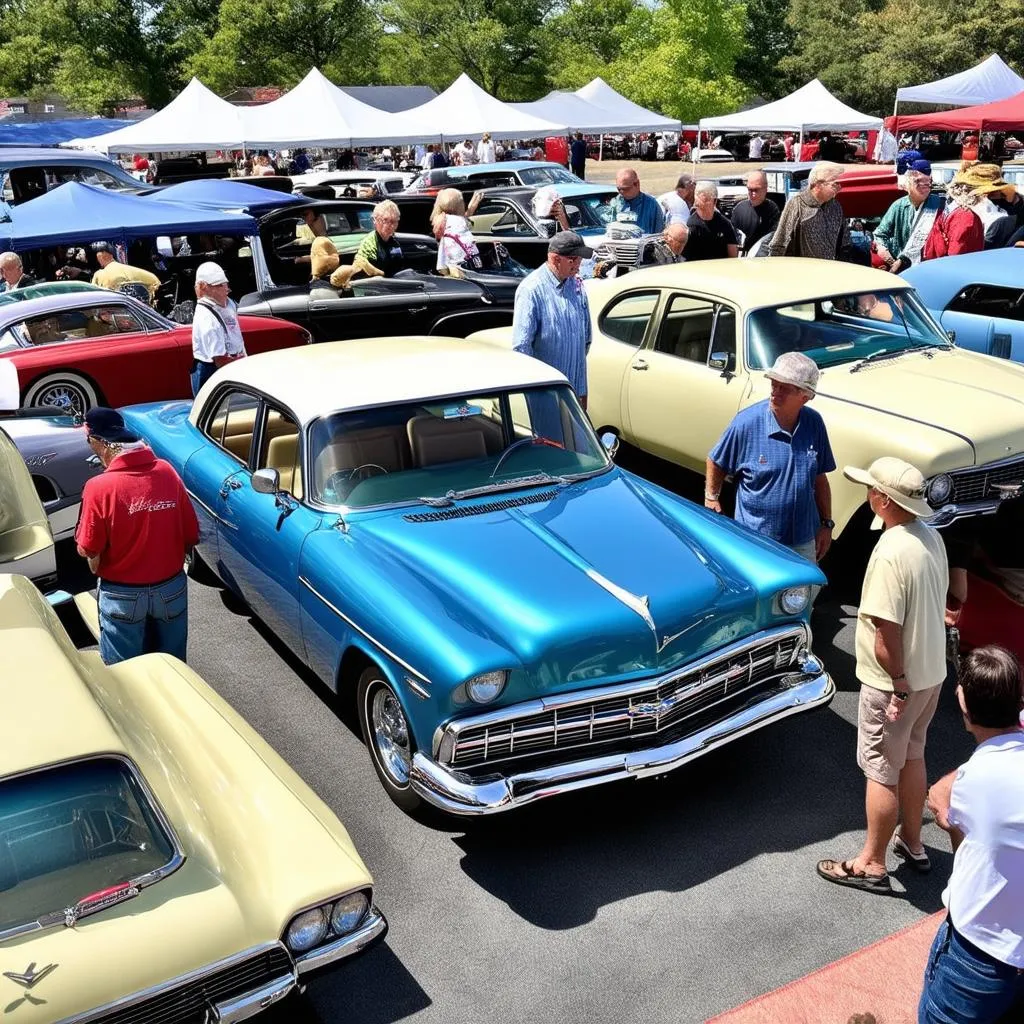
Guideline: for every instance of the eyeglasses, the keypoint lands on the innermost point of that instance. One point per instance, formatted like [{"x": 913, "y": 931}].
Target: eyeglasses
[{"x": 627, "y": 188}]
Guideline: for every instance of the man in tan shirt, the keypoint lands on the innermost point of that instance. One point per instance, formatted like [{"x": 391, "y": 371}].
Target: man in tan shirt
[
  {"x": 112, "y": 274},
  {"x": 901, "y": 664}
]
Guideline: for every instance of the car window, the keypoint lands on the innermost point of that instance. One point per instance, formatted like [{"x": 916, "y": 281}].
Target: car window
[
  {"x": 989, "y": 300},
  {"x": 59, "y": 174},
  {"x": 71, "y": 833},
  {"x": 686, "y": 328},
  {"x": 280, "y": 450},
  {"x": 399, "y": 453},
  {"x": 627, "y": 318},
  {"x": 82, "y": 324},
  {"x": 512, "y": 222},
  {"x": 11, "y": 338},
  {"x": 232, "y": 422},
  {"x": 547, "y": 176}
]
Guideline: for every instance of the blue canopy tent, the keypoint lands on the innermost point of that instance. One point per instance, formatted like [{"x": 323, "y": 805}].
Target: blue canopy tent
[
  {"x": 225, "y": 194},
  {"x": 75, "y": 214},
  {"x": 53, "y": 133}
]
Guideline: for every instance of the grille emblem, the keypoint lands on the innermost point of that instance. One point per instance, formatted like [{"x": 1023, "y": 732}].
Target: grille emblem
[
  {"x": 1007, "y": 491},
  {"x": 30, "y": 977}
]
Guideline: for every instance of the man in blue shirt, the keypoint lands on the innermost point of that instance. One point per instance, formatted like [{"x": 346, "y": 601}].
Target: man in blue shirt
[
  {"x": 635, "y": 206},
  {"x": 779, "y": 454},
  {"x": 551, "y": 320}
]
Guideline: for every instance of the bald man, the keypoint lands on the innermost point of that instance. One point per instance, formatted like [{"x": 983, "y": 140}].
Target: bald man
[
  {"x": 671, "y": 245},
  {"x": 636, "y": 207}
]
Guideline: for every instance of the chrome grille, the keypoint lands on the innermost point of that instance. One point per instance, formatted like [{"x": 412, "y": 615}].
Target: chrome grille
[
  {"x": 648, "y": 708},
  {"x": 973, "y": 485},
  {"x": 190, "y": 1002},
  {"x": 621, "y": 252}
]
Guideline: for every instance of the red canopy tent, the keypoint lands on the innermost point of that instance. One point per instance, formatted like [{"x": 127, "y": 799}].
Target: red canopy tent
[{"x": 1001, "y": 116}]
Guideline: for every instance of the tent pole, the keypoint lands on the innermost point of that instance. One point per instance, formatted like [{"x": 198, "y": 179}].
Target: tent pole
[
  {"x": 895, "y": 129},
  {"x": 800, "y": 150},
  {"x": 600, "y": 149}
]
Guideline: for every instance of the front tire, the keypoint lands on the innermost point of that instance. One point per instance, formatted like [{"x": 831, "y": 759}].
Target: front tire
[
  {"x": 67, "y": 391},
  {"x": 388, "y": 738}
]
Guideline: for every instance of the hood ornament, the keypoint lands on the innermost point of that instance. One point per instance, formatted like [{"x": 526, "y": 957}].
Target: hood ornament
[
  {"x": 30, "y": 977},
  {"x": 1007, "y": 491}
]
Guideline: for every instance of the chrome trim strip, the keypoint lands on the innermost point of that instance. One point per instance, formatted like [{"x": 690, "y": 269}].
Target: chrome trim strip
[
  {"x": 183, "y": 979},
  {"x": 373, "y": 929},
  {"x": 248, "y": 1005},
  {"x": 362, "y": 632},
  {"x": 458, "y": 794},
  {"x": 417, "y": 689},
  {"x": 564, "y": 701}
]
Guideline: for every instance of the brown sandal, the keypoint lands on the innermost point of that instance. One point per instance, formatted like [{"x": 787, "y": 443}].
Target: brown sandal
[{"x": 842, "y": 873}]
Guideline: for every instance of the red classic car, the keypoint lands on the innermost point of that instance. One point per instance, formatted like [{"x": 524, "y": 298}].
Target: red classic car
[{"x": 77, "y": 346}]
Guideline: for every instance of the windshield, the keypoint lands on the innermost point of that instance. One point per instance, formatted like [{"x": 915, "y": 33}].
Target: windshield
[
  {"x": 842, "y": 329},
  {"x": 70, "y": 833},
  {"x": 400, "y": 453},
  {"x": 589, "y": 211},
  {"x": 547, "y": 176}
]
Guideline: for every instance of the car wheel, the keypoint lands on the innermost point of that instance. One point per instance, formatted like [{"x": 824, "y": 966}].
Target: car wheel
[
  {"x": 388, "y": 737},
  {"x": 67, "y": 391}
]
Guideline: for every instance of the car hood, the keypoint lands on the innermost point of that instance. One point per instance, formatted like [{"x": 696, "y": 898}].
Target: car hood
[
  {"x": 601, "y": 579},
  {"x": 183, "y": 923},
  {"x": 975, "y": 397}
]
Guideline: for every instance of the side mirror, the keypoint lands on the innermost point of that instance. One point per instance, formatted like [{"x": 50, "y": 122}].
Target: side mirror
[
  {"x": 952, "y": 337},
  {"x": 266, "y": 481},
  {"x": 610, "y": 443},
  {"x": 719, "y": 361}
]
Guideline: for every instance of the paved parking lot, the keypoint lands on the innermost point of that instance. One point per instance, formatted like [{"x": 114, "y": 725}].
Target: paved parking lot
[{"x": 665, "y": 900}]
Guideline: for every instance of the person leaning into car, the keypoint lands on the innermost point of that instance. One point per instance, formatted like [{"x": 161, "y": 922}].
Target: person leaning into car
[
  {"x": 136, "y": 526},
  {"x": 216, "y": 336},
  {"x": 779, "y": 452}
]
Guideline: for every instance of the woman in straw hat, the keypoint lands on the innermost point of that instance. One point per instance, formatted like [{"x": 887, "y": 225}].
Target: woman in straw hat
[{"x": 958, "y": 228}]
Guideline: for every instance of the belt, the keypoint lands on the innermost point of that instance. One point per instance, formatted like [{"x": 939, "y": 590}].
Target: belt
[{"x": 157, "y": 583}]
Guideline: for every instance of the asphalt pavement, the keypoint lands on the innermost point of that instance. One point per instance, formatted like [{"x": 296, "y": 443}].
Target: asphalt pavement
[{"x": 661, "y": 900}]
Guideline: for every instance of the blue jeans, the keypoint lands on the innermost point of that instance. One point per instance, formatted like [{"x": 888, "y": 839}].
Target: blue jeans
[
  {"x": 964, "y": 985},
  {"x": 201, "y": 373},
  {"x": 143, "y": 619}
]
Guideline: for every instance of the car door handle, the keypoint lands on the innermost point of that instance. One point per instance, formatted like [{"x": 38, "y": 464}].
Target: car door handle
[
  {"x": 416, "y": 310},
  {"x": 640, "y": 364},
  {"x": 230, "y": 484}
]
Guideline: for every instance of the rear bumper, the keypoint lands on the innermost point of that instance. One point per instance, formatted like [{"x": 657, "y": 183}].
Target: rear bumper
[{"x": 457, "y": 793}]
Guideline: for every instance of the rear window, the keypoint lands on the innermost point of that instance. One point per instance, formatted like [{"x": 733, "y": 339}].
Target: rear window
[{"x": 69, "y": 835}]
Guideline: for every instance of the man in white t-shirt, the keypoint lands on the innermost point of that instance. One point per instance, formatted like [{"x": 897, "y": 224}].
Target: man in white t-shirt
[
  {"x": 677, "y": 203},
  {"x": 975, "y": 971},
  {"x": 216, "y": 333},
  {"x": 755, "y": 147},
  {"x": 901, "y": 664}
]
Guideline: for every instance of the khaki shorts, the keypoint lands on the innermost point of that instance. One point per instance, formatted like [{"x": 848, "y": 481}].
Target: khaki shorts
[{"x": 884, "y": 747}]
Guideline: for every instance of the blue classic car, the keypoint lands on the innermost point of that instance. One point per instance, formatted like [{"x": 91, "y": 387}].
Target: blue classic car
[
  {"x": 432, "y": 526},
  {"x": 979, "y": 296}
]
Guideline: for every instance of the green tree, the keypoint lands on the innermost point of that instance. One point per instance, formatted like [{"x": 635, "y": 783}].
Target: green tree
[{"x": 769, "y": 37}]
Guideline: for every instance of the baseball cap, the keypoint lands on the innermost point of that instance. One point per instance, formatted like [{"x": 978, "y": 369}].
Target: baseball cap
[
  {"x": 568, "y": 243},
  {"x": 895, "y": 478},
  {"x": 108, "y": 425},
  {"x": 797, "y": 369},
  {"x": 210, "y": 273}
]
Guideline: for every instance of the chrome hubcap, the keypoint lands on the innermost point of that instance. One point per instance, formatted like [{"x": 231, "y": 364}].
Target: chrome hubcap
[
  {"x": 391, "y": 735},
  {"x": 63, "y": 396}
]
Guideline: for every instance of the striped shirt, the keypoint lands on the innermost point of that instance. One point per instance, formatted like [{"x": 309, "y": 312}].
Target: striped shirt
[{"x": 552, "y": 323}]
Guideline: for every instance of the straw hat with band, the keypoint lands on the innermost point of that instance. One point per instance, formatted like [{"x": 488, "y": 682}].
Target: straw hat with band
[
  {"x": 897, "y": 480},
  {"x": 984, "y": 178}
]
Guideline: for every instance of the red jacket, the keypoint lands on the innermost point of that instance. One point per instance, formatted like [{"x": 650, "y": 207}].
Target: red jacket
[{"x": 955, "y": 231}]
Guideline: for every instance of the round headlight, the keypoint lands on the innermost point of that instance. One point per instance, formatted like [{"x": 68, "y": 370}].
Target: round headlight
[
  {"x": 487, "y": 687},
  {"x": 939, "y": 490},
  {"x": 307, "y": 930},
  {"x": 793, "y": 600},
  {"x": 348, "y": 912}
]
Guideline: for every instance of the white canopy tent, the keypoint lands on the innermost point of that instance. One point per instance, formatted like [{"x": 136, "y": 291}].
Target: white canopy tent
[
  {"x": 195, "y": 120},
  {"x": 621, "y": 115},
  {"x": 317, "y": 113},
  {"x": 465, "y": 111},
  {"x": 986, "y": 82},
  {"x": 811, "y": 108},
  {"x": 629, "y": 116}
]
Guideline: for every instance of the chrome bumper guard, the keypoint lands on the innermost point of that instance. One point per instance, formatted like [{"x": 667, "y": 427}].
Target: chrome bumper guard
[
  {"x": 248, "y": 1005},
  {"x": 457, "y": 793},
  {"x": 372, "y": 930}
]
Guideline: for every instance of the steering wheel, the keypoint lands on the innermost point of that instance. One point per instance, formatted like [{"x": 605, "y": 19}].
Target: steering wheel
[
  {"x": 340, "y": 481},
  {"x": 519, "y": 444}
]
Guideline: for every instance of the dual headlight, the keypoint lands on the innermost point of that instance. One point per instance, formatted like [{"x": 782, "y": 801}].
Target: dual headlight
[
  {"x": 938, "y": 490},
  {"x": 793, "y": 600},
  {"x": 332, "y": 920}
]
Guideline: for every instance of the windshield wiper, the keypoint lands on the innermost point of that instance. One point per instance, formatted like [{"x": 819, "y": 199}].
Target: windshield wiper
[
  {"x": 533, "y": 480},
  {"x": 875, "y": 357},
  {"x": 442, "y": 501}
]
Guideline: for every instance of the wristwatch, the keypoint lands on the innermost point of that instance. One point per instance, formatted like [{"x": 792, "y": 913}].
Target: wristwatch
[{"x": 828, "y": 524}]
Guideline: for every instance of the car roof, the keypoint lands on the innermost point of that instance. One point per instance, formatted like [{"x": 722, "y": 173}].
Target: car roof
[
  {"x": 498, "y": 168},
  {"x": 78, "y": 299},
  {"x": 315, "y": 380},
  {"x": 50, "y": 715},
  {"x": 45, "y": 289},
  {"x": 584, "y": 188},
  {"x": 940, "y": 280},
  {"x": 13, "y": 156},
  {"x": 753, "y": 283}
]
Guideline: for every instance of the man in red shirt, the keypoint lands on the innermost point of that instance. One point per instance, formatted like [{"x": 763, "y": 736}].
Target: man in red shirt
[{"x": 136, "y": 526}]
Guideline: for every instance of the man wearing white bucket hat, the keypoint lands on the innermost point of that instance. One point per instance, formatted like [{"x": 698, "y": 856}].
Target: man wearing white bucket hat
[{"x": 901, "y": 664}]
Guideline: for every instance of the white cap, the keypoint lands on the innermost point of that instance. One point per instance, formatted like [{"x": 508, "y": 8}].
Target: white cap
[
  {"x": 896, "y": 479},
  {"x": 797, "y": 369},
  {"x": 211, "y": 273},
  {"x": 543, "y": 199}
]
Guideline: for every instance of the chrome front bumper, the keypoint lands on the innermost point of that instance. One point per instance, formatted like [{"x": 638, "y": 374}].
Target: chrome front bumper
[{"x": 457, "y": 793}]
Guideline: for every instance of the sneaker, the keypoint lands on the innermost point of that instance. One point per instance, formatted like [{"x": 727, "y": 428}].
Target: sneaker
[{"x": 918, "y": 861}]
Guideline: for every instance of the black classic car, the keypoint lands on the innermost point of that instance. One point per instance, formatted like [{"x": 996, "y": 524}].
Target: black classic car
[{"x": 415, "y": 301}]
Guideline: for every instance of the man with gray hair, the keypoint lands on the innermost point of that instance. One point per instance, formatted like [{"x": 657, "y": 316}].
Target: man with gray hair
[
  {"x": 13, "y": 273},
  {"x": 669, "y": 248},
  {"x": 756, "y": 216},
  {"x": 711, "y": 235},
  {"x": 812, "y": 223},
  {"x": 779, "y": 454}
]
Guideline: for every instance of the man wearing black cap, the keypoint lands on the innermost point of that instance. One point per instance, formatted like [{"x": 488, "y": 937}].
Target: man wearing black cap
[
  {"x": 136, "y": 526},
  {"x": 551, "y": 320}
]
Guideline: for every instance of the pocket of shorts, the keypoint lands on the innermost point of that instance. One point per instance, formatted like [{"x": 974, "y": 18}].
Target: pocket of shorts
[
  {"x": 175, "y": 604},
  {"x": 123, "y": 607}
]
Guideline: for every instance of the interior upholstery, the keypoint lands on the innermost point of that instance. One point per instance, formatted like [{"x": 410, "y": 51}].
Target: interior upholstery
[
  {"x": 233, "y": 430},
  {"x": 387, "y": 447},
  {"x": 434, "y": 440},
  {"x": 687, "y": 337},
  {"x": 283, "y": 455}
]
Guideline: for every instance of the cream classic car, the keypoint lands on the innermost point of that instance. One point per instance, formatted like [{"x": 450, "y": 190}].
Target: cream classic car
[
  {"x": 158, "y": 860},
  {"x": 677, "y": 351}
]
